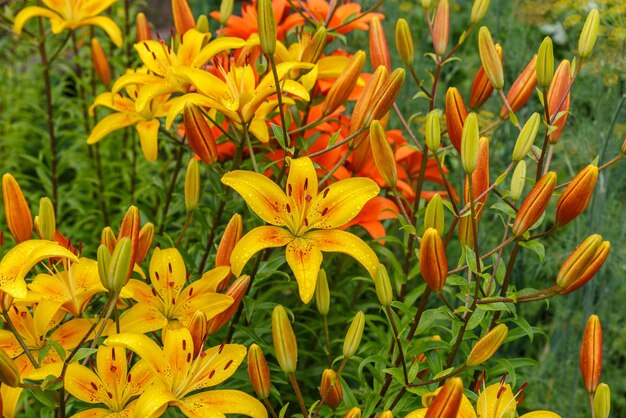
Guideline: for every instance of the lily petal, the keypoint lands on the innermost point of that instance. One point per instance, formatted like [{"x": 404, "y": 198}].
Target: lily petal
[
  {"x": 301, "y": 182},
  {"x": 149, "y": 138},
  {"x": 340, "y": 202},
  {"x": 142, "y": 318},
  {"x": 215, "y": 47},
  {"x": 108, "y": 25},
  {"x": 167, "y": 272},
  {"x": 541, "y": 414},
  {"x": 178, "y": 354},
  {"x": 216, "y": 403},
  {"x": 491, "y": 397},
  {"x": 28, "y": 13},
  {"x": 111, "y": 123},
  {"x": 84, "y": 384},
  {"x": 346, "y": 243},
  {"x": 153, "y": 402},
  {"x": 263, "y": 196},
  {"x": 218, "y": 364},
  {"x": 143, "y": 346},
  {"x": 258, "y": 239},
  {"x": 304, "y": 258}
]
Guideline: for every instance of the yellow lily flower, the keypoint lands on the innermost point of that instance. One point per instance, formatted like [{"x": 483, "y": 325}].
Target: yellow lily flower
[
  {"x": 238, "y": 95},
  {"x": 112, "y": 384},
  {"x": 309, "y": 220},
  {"x": 146, "y": 121},
  {"x": 495, "y": 401},
  {"x": 170, "y": 71},
  {"x": 23, "y": 257},
  {"x": 177, "y": 374},
  {"x": 169, "y": 299},
  {"x": 72, "y": 14}
]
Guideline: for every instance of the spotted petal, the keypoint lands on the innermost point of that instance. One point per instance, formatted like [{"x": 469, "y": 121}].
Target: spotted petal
[
  {"x": 254, "y": 241},
  {"x": 167, "y": 272},
  {"x": 301, "y": 182},
  {"x": 304, "y": 258},
  {"x": 143, "y": 346},
  {"x": 218, "y": 364},
  {"x": 217, "y": 403},
  {"x": 84, "y": 384}
]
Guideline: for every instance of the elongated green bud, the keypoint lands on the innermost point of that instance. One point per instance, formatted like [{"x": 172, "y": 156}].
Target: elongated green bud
[
  {"x": 322, "y": 293},
  {"x": 315, "y": 48},
  {"x": 602, "y": 401},
  {"x": 104, "y": 264},
  {"x": 404, "y": 42},
  {"x": 479, "y": 8},
  {"x": 434, "y": 214},
  {"x": 526, "y": 137},
  {"x": 469, "y": 143},
  {"x": 47, "y": 222},
  {"x": 383, "y": 286},
  {"x": 9, "y": 373},
  {"x": 518, "y": 180},
  {"x": 285, "y": 343},
  {"x": 267, "y": 26},
  {"x": 432, "y": 131},
  {"x": 545, "y": 63},
  {"x": 192, "y": 185},
  {"x": 202, "y": 25},
  {"x": 589, "y": 34},
  {"x": 490, "y": 58},
  {"x": 354, "y": 334},
  {"x": 226, "y": 10},
  {"x": 120, "y": 266}
]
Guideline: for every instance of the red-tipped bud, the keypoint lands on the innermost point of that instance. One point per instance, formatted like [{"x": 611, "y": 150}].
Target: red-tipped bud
[
  {"x": 100, "y": 62},
  {"x": 447, "y": 402},
  {"x": 591, "y": 354},
  {"x": 577, "y": 195},
  {"x": 433, "y": 260},
  {"x": 379, "y": 51},
  {"x": 441, "y": 27},
  {"x": 559, "y": 90},
  {"x": 522, "y": 89},
  {"x": 198, "y": 330},
  {"x": 232, "y": 235},
  {"x": 237, "y": 290},
  {"x": 199, "y": 134},
  {"x": 481, "y": 87},
  {"x": 330, "y": 388},
  {"x": 130, "y": 228},
  {"x": 535, "y": 204},
  {"x": 108, "y": 239},
  {"x": 582, "y": 264},
  {"x": 455, "y": 116},
  {"x": 258, "y": 372},
  {"x": 146, "y": 235},
  {"x": 365, "y": 100},
  {"x": 183, "y": 17},
  {"x": 344, "y": 84},
  {"x": 143, "y": 28},
  {"x": 16, "y": 210}
]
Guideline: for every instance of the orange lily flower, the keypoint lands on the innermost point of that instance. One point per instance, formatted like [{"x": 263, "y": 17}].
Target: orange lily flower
[
  {"x": 112, "y": 384},
  {"x": 374, "y": 212},
  {"x": 169, "y": 299},
  {"x": 346, "y": 11},
  {"x": 177, "y": 374},
  {"x": 72, "y": 14},
  {"x": 303, "y": 220}
]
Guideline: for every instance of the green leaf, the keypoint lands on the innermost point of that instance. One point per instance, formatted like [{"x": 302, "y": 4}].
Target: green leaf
[
  {"x": 278, "y": 133},
  {"x": 503, "y": 207},
  {"x": 513, "y": 119},
  {"x": 536, "y": 247},
  {"x": 525, "y": 326},
  {"x": 49, "y": 384},
  {"x": 333, "y": 139},
  {"x": 83, "y": 353},
  {"x": 283, "y": 411},
  {"x": 540, "y": 96},
  {"x": 501, "y": 178}
]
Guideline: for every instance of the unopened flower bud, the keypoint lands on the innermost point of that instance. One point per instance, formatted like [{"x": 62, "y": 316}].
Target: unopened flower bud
[
  {"x": 386, "y": 97},
  {"x": 479, "y": 8},
  {"x": 559, "y": 88},
  {"x": 104, "y": 264},
  {"x": 591, "y": 354},
  {"x": 379, "y": 51},
  {"x": 344, "y": 84},
  {"x": 353, "y": 413},
  {"x": 192, "y": 185},
  {"x": 447, "y": 402},
  {"x": 315, "y": 48},
  {"x": 146, "y": 235},
  {"x": 366, "y": 98},
  {"x": 330, "y": 389},
  {"x": 432, "y": 131},
  {"x": 258, "y": 372},
  {"x": 455, "y": 116},
  {"x": 108, "y": 239},
  {"x": 577, "y": 195},
  {"x": 469, "y": 143},
  {"x": 404, "y": 42},
  {"x": 386, "y": 414},
  {"x": 433, "y": 260},
  {"x": 183, "y": 17},
  {"x": 9, "y": 373},
  {"x": 120, "y": 267},
  {"x": 16, "y": 210},
  {"x": 490, "y": 59},
  {"x": 226, "y": 10},
  {"x": 322, "y": 293},
  {"x": 441, "y": 27},
  {"x": 199, "y": 134},
  {"x": 130, "y": 228},
  {"x": 434, "y": 214},
  {"x": 481, "y": 87},
  {"x": 198, "y": 330},
  {"x": 522, "y": 89},
  {"x": 518, "y": 180},
  {"x": 100, "y": 62},
  {"x": 526, "y": 137},
  {"x": 354, "y": 334},
  {"x": 230, "y": 238},
  {"x": 545, "y": 63},
  {"x": 47, "y": 222},
  {"x": 384, "y": 159},
  {"x": 486, "y": 347},
  {"x": 284, "y": 340},
  {"x": 143, "y": 28},
  {"x": 535, "y": 204},
  {"x": 382, "y": 285},
  {"x": 602, "y": 401},
  {"x": 589, "y": 34},
  {"x": 237, "y": 291},
  {"x": 582, "y": 264},
  {"x": 267, "y": 26}
]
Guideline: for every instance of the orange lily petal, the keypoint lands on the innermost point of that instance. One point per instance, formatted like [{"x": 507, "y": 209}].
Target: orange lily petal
[
  {"x": 258, "y": 239},
  {"x": 84, "y": 384},
  {"x": 218, "y": 364},
  {"x": 216, "y": 403},
  {"x": 153, "y": 402},
  {"x": 304, "y": 258},
  {"x": 301, "y": 181},
  {"x": 70, "y": 333},
  {"x": 141, "y": 318},
  {"x": 178, "y": 353}
]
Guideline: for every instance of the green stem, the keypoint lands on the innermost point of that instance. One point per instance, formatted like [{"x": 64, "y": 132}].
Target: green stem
[
  {"x": 170, "y": 189},
  {"x": 19, "y": 338},
  {"x": 298, "y": 392},
  {"x": 184, "y": 228}
]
